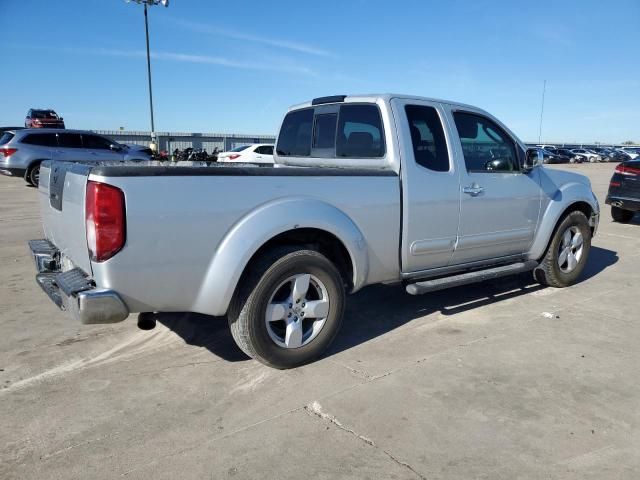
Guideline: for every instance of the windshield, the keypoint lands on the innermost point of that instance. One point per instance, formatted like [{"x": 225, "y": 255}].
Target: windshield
[{"x": 44, "y": 114}]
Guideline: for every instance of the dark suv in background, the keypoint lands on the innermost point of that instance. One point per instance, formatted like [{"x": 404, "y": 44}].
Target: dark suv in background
[{"x": 43, "y": 119}]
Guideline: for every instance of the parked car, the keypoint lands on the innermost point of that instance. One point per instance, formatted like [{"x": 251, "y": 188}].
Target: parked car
[
  {"x": 365, "y": 193},
  {"x": 256, "y": 153},
  {"x": 624, "y": 191},
  {"x": 37, "y": 118},
  {"x": 573, "y": 158},
  {"x": 22, "y": 151},
  {"x": 553, "y": 157},
  {"x": 613, "y": 155},
  {"x": 589, "y": 155},
  {"x": 633, "y": 152}
]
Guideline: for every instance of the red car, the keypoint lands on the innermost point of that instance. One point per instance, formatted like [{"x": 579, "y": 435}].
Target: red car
[{"x": 43, "y": 119}]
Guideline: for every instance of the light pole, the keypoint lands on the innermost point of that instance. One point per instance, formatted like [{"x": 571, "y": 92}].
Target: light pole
[{"x": 164, "y": 3}]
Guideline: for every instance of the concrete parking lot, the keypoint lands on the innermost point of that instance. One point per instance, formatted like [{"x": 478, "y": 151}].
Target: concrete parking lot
[{"x": 502, "y": 380}]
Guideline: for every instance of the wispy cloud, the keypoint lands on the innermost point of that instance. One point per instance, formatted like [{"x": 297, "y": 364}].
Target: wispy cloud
[
  {"x": 282, "y": 67},
  {"x": 298, "y": 47}
]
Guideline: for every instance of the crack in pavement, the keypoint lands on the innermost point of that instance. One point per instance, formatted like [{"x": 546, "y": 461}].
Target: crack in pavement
[{"x": 315, "y": 409}]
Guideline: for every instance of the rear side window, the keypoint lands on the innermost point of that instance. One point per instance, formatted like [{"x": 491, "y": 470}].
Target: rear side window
[
  {"x": 69, "y": 140},
  {"x": 359, "y": 132},
  {"x": 41, "y": 139},
  {"x": 6, "y": 138},
  {"x": 265, "y": 150},
  {"x": 295, "y": 134},
  {"x": 427, "y": 137}
]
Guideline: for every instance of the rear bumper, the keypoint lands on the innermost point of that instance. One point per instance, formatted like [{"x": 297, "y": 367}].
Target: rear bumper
[
  {"x": 73, "y": 290},
  {"x": 626, "y": 203},
  {"x": 12, "y": 172}
]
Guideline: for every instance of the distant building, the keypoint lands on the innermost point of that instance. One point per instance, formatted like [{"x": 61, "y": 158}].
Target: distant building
[{"x": 169, "y": 141}]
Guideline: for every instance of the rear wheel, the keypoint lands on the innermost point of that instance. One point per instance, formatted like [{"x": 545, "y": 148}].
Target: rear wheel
[
  {"x": 289, "y": 308},
  {"x": 620, "y": 215},
  {"x": 33, "y": 175},
  {"x": 567, "y": 253}
]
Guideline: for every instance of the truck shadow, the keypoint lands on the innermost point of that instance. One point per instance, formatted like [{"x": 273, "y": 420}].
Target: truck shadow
[{"x": 379, "y": 309}]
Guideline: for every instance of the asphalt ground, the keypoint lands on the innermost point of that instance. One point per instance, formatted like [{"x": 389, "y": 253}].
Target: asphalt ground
[{"x": 501, "y": 380}]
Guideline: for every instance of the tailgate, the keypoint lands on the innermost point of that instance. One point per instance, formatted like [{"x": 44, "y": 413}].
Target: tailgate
[{"x": 62, "y": 196}]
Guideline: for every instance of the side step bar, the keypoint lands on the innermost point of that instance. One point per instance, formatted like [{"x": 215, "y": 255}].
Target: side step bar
[{"x": 427, "y": 286}]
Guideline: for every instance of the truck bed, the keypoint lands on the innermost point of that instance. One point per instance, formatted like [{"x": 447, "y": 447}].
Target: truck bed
[{"x": 177, "y": 217}]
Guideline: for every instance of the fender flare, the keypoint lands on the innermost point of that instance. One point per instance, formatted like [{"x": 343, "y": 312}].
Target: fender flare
[
  {"x": 566, "y": 196},
  {"x": 262, "y": 224}
]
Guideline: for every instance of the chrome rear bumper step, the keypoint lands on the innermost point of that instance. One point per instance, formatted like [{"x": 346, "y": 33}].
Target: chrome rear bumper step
[
  {"x": 428, "y": 286},
  {"x": 73, "y": 290}
]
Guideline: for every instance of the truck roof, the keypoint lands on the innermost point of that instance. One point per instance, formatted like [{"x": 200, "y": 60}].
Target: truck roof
[{"x": 373, "y": 97}]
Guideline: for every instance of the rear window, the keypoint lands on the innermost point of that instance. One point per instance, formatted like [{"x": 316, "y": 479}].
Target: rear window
[
  {"x": 359, "y": 132},
  {"x": 295, "y": 135},
  {"x": 324, "y": 132},
  {"x": 41, "y": 139},
  {"x": 350, "y": 131},
  {"x": 6, "y": 138},
  {"x": 239, "y": 149}
]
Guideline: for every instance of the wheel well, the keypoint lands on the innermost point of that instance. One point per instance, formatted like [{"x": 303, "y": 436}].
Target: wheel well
[
  {"x": 314, "y": 239},
  {"x": 583, "y": 207},
  {"x": 27, "y": 172},
  {"x": 33, "y": 164}
]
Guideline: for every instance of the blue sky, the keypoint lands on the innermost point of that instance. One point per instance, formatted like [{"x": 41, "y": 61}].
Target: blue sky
[{"x": 236, "y": 66}]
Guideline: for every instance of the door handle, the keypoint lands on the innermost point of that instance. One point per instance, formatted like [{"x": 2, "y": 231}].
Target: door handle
[{"x": 474, "y": 189}]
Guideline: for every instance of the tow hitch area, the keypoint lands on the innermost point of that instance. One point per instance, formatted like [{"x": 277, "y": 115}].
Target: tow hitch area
[{"x": 73, "y": 290}]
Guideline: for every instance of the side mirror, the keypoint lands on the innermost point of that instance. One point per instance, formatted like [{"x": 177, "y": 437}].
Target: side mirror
[
  {"x": 115, "y": 147},
  {"x": 533, "y": 158}
]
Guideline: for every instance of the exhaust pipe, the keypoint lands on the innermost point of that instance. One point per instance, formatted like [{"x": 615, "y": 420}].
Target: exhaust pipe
[{"x": 147, "y": 320}]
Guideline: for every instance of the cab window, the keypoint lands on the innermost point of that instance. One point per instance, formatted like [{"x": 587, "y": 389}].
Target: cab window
[
  {"x": 427, "y": 138},
  {"x": 485, "y": 146}
]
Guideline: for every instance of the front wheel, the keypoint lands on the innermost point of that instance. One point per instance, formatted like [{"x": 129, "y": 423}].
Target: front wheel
[
  {"x": 620, "y": 215},
  {"x": 289, "y": 307},
  {"x": 567, "y": 252}
]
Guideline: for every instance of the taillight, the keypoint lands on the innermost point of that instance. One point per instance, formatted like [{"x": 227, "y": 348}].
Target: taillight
[
  {"x": 628, "y": 171},
  {"x": 105, "y": 220},
  {"x": 7, "y": 152},
  {"x": 615, "y": 184},
  {"x": 234, "y": 156}
]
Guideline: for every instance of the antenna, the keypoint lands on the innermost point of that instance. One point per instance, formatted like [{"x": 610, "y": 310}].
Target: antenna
[{"x": 544, "y": 88}]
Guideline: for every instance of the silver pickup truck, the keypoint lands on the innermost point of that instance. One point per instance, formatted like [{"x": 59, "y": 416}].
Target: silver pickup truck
[{"x": 366, "y": 189}]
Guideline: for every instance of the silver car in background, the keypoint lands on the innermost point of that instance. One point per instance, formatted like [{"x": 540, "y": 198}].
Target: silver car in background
[{"x": 22, "y": 151}]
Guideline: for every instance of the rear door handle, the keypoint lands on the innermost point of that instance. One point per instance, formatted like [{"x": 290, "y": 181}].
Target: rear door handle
[{"x": 474, "y": 189}]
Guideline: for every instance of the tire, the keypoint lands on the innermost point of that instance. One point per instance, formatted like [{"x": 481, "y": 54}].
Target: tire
[
  {"x": 290, "y": 340},
  {"x": 556, "y": 270},
  {"x": 620, "y": 215},
  {"x": 33, "y": 175}
]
